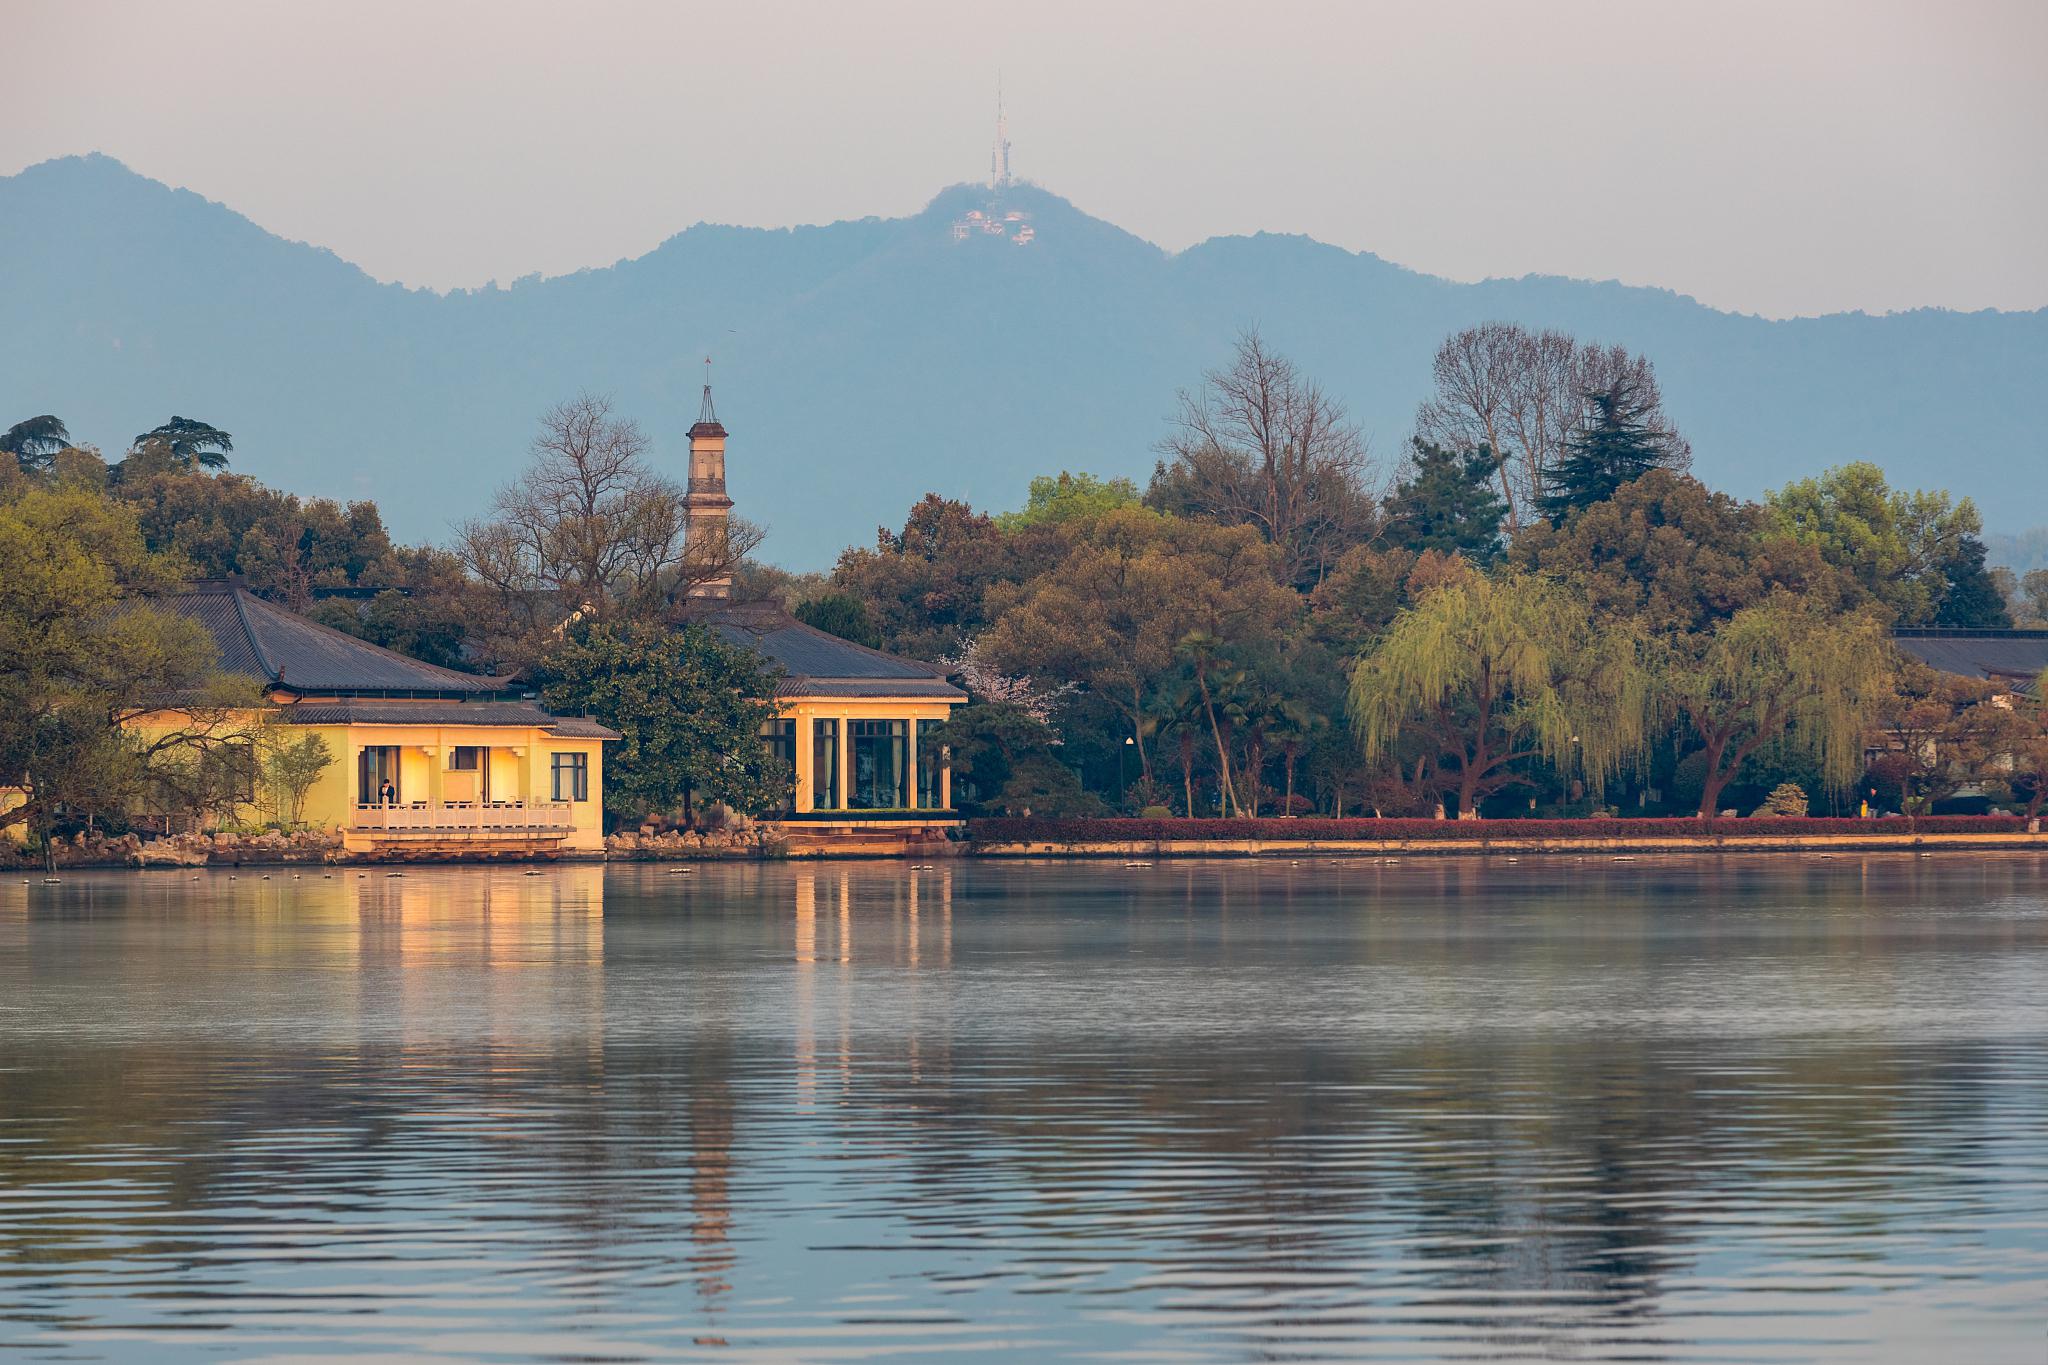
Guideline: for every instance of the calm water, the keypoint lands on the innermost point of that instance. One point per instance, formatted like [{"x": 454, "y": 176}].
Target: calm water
[{"x": 1765, "y": 1110}]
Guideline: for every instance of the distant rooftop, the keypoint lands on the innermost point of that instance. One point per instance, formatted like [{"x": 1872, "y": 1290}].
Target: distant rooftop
[
  {"x": 819, "y": 664},
  {"x": 2013, "y": 656},
  {"x": 280, "y": 648}
]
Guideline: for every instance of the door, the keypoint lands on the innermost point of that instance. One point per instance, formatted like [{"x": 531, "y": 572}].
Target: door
[{"x": 375, "y": 766}]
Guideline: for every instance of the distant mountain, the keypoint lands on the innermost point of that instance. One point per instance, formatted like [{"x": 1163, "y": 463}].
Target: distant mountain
[{"x": 863, "y": 363}]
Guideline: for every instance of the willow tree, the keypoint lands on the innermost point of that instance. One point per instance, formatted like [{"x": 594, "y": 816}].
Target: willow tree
[
  {"x": 1782, "y": 673},
  {"x": 1497, "y": 671},
  {"x": 2029, "y": 771}
]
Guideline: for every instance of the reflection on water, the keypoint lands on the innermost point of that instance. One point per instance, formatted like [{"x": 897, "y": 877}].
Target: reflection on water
[{"x": 1721, "y": 1110}]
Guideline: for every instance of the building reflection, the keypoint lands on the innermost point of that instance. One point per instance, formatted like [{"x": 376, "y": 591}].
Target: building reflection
[{"x": 1258, "y": 1092}]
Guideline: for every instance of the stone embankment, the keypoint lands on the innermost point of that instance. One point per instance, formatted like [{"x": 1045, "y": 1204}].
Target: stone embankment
[
  {"x": 1082, "y": 839},
  {"x": 1274, "y": 848},
  {"x": 1113, "y": 838},
  {"x": 679, "y": 845},
  {"x": 93, "y": 849}
]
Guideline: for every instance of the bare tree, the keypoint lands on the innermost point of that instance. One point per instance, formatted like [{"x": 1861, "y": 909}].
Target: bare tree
[
  {"x": 1477, "y": 372},
  {"x": 590, "y": 530},
  {"x": 1523, "y": 395},
  {"x": 1548, "y": 405},
  {"x": 1260, "y": 445}
]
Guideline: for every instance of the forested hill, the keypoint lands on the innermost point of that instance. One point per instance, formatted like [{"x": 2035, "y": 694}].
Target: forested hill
[{"x": 863, "y": 363}]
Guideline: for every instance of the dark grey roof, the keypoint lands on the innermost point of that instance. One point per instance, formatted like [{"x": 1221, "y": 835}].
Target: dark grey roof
[
  {"x": 818, "y": 664},
  {"x": 264, "y": 641},
  {"x": 2015, "y": 656},
  {"x": 356, "y": 711}
]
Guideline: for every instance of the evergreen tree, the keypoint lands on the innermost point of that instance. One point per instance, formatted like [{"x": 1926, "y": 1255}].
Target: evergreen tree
[
  {"x": 188, "y": 442},
  {"x": 841, "y": 614},
  {"x": 34, "y": 442},
  {"x": 1971, "y": 597},
  {"x": 1448, "y": 503},
  {"x": 689, "y": 709},
  {"x": 1618, "y": 447}
]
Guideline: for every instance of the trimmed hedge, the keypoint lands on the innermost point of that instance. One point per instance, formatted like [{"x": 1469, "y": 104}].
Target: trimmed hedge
[{"x": 1124, "y": 830}]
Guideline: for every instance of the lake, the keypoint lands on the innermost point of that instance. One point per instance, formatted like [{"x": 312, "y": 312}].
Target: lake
[{"x": 1712, "y": 1109}]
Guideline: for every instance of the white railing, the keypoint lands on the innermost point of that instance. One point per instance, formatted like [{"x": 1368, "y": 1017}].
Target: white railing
[{"x": 465, "y": 817}]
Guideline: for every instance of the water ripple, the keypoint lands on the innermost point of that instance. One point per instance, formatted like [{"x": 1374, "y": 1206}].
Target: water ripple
[{"x": 1721, "y": 1110}]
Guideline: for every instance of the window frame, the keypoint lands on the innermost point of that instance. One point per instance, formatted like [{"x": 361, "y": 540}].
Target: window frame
[{"x": 576, "y": 764}]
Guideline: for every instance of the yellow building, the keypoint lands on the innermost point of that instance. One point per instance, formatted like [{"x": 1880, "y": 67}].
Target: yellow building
[
  {"x": 427, "y": 760},
  {"x": 855, "y": 722}
]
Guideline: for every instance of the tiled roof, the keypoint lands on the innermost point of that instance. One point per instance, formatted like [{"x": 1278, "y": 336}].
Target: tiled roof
[
  {"x": 818, "y": 664},
  {"x": 2016, "y": 656},
  {"x": 266, "y": 642},
  {"x": 357, "y": 711}
]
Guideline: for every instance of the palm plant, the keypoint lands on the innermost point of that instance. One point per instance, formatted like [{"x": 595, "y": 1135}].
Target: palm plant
[
  {"x": 1204, "y": 653},
  {"x": 1299, "y": 726},
  {"x": 1178, "y": 712}
]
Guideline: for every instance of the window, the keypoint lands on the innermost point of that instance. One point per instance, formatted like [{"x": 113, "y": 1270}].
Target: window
[
  {"x": 824, "y": 765},
  {"x": 778, "y": 737},
  {"x": 469, "y": 769},
  {"x": 376, "y": 769},
  {"x": 931, "y": 761},
  {"x": 880, "y": 764},
  {"x": 571, "y": 774}
]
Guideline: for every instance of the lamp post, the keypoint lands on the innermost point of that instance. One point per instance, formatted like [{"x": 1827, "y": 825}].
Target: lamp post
[{"x": 1123, "y": 771}]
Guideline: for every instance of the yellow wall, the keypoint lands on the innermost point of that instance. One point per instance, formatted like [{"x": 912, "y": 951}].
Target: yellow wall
[
  {"x": 520, "y": 770},
  {"x": 803, "y": 710},
  {"x": 13, "y": 798},
  {"x": 519, "y": 759}
]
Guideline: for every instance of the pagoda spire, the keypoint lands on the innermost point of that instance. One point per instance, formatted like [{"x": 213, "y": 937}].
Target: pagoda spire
[
  {"x": 706, "y": 508},
  {"x": 707, "y": 415}
]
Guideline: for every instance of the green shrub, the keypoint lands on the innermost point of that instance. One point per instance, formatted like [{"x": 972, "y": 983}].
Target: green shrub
[{"x": 1787, "y": 798}]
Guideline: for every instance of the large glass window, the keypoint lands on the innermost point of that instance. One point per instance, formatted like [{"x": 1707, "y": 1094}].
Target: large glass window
[
  {"x": 825, "y": 765},
  {"x": 880, "y": 764},
  {"x": 778, "y": 737},
  {"x": 377, "y": 775},
  {"x": 571, "y": 774},
  {"x": 931, "y": 758}
]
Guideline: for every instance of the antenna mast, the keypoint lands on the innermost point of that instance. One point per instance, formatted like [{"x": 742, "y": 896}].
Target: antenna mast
[{"x": 999, "y": 156}]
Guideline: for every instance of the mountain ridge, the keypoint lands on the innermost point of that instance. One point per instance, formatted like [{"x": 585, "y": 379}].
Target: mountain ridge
[{"x": 864, "y": 362}]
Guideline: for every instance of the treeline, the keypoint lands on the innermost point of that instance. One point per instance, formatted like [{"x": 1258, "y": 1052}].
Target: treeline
[
  {"x": 1536, "y": 611},
  {"x": 574, "y": 584},
  {"x": 1533, "y": 609}
]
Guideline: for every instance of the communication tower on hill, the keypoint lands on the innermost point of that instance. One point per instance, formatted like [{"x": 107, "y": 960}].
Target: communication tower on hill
[
  {"x": 999, "y": 156},
  {"x": 995, "y": 218}
]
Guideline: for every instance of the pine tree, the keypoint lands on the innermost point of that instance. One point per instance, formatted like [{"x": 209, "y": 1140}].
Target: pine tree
[
  {"x": 1448, "y": 503},
  {"x": 1970, "y": 597},
  {"x": 1618, "y": 447}
]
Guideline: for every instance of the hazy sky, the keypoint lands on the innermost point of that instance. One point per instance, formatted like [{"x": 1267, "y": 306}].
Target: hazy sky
[{"x": 1774, "y": 157}]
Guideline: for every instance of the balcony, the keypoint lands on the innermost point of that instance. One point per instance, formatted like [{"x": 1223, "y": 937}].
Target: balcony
[{"x": 487, "y": 819}]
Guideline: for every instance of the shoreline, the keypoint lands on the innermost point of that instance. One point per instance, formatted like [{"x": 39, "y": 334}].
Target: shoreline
[
  {"x": 1718, "y": 843},
  {"x": 1361, "y": 850}
]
